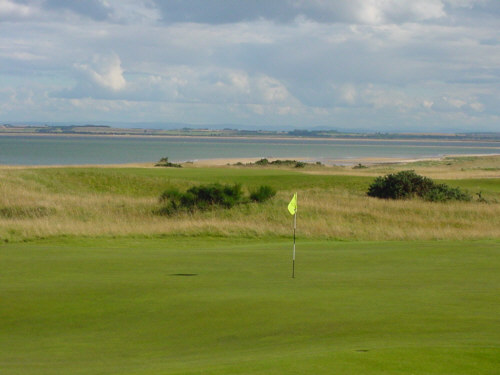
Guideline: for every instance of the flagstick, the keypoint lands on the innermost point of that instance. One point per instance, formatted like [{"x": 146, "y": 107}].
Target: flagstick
[{"x": 294, "y": 228}]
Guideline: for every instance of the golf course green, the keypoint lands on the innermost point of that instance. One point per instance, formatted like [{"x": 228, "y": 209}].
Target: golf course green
[
  {"x": 215, "y": 305},
  {"x": 96, "y": 279}
]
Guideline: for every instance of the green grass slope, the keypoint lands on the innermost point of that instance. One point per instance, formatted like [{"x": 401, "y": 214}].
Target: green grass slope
[
  {"x": 150, "y": 182},
  {"x": 103, "y": 202},
  {"x": 82, "y": 306}
]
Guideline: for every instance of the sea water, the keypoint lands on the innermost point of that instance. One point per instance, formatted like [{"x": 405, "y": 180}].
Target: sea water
[{"x": 73, "y": 150}]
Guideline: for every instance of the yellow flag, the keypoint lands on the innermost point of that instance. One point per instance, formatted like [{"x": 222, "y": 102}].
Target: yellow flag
[{"x": 292, "y": 206}]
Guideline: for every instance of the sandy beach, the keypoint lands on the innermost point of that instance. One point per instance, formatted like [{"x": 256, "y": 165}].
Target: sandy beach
[
  {"x": 328, "y": 162},
  {"x": 219, "y": 162}
]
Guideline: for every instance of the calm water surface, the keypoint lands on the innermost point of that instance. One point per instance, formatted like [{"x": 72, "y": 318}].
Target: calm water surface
[{"x": 53, "y": 150}]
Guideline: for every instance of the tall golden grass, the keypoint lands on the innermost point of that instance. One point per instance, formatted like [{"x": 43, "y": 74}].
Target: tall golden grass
[
  {"x": 30, "y": 211},
  {"x": 451, "y": 167}
]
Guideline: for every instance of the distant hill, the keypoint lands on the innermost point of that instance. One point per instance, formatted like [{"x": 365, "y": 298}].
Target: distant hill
[{"x": 92, "y": 129}]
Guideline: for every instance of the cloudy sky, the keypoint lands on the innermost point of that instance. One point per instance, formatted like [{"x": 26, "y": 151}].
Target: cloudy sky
[{"x": 428, "y": 65}]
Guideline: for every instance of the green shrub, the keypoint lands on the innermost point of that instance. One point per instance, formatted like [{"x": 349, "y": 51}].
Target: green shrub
[
  {"x": 278, "y": 162},
  {"x": 170, "y": 194},
  {"x": 204, "y": 197},
  {"x": 171, "y": 199},
  {"x": 408, "y": 184},
  {"x": 402, "y": 185},
  {"x": 442, "y": 193},
  {"x": 262, "y": 194},
  {"x": 163, "y": 162},
  {"x": 262, "y": 162},
  {"x": 359, "y": 166}
]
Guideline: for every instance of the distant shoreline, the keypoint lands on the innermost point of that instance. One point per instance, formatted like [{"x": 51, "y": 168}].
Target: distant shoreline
[
  {"x": 221, "y": 162},
  {"x": 334, "y": 162},
  {"x": 248, "y": 137}
]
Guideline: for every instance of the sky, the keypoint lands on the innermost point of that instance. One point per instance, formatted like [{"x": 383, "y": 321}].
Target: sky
[{"x": 380, "y": 65}]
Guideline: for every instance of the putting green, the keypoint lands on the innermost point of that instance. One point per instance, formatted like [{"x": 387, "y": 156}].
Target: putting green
[{"x": 229, "y": 306}]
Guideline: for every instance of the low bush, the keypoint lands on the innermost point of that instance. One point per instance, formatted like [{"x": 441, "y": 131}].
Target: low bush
[
  {"x": 163, "y": 162},
  {"x": 408, "y": 184},
  {"x": 262, "y": 194},
  {"x": 278, "y": 162},
  {"x": 204, "y": 197},
  {"x": 262, "y": 162},
  {"x": 359, "y": 166},
  {"x": 442, "y": 193}
]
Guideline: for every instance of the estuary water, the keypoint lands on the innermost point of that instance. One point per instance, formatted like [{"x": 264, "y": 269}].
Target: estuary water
[{"x": 74, "y": 150}]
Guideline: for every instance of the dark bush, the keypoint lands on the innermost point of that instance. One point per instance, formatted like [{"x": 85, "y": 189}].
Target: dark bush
[
  {"x": 359, "y": 166},
  {"x": 189, "y": 200},
  {"x": 204, "y": 197},
  {"x": 408, "y": 184},
  {"x": 163, "y": 162},
  {"x": 262, "y": 194},
  {"x": 170, "y": 194},
  {"x": 442, "y": 193},
  {"x": 402, "y": 185},
  {"x": 285, "y": 163},
  {"x": 171, "y": 199}
]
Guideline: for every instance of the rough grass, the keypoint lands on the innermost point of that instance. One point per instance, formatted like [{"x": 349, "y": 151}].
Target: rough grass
[
  {"x": 100, "y": 306},
  {"x": 46, "y": 202},
  {"x": 451, "y": 167}
]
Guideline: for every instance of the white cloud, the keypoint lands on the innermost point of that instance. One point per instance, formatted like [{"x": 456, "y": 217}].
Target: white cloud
[
  {"x": 476, "y": 106},
  {"x": 373, "y": 12},
  {"x": 349, "y": 93},
  {"x": 358, "y": 62},
  {"x": 9, "y": 9},
  {"x": 240, "y": 81},
  {"x": 425, "y": 10},
  {"x": 428, "y": 104},
  {"x": 105, "y": 71},
  {"x": 454, "y": 102},
  {"x": 23, "y": 56},
  {"x": 271, "y": 90}
]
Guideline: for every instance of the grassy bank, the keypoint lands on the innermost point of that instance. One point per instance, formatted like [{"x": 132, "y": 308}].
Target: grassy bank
[
  {"x": 126, "y": 306},
  {"x": 47, "y": 202}
]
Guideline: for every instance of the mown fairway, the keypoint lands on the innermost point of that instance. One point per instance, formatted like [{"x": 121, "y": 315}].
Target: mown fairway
[{"x": 119, "y": 306}]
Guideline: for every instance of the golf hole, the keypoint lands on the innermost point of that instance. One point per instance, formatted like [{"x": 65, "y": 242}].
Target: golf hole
[{"x": 184, "y": 274}]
